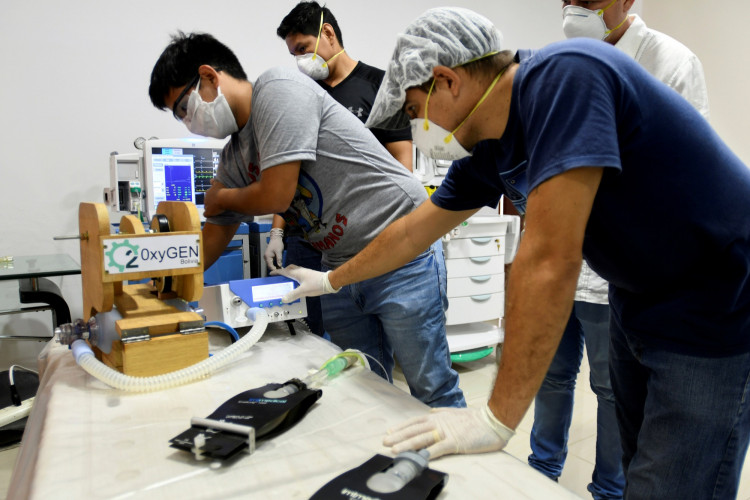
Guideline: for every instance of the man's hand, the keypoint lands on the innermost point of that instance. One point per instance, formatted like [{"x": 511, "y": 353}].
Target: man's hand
[
  {"x": 450, "y": 430},
  {"x": 211, "y": 205},
  {"x": 275, "y": 249},
  {"x": 311, "y": 283}
]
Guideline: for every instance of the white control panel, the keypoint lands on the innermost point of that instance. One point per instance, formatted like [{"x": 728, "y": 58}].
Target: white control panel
[{"x": 229, "y": 302}]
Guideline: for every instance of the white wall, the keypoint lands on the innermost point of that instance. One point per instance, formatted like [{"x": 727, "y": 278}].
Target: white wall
[
  {"x": 76, "y": 77},
  {"x": 717, "y": 34},
  {"x": 76, "y": 88}
]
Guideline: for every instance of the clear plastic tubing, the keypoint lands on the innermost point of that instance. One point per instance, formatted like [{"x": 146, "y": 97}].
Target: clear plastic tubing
[
  {"x": 85, "y": 358},
  {"x": 312, "y": 381},
  {"x": 406, "y": 466}
]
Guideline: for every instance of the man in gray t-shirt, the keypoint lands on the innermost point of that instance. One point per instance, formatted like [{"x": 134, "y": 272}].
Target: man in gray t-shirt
[
  {"x": 349, "y": 189},
  {"x": 295, "y": 151}
]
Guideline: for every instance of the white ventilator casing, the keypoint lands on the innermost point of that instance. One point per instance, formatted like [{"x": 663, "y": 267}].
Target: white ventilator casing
[{"x": 219, "y": 303}]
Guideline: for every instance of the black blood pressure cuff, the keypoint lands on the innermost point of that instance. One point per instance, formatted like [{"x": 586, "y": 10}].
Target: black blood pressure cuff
[
  {"x": 353, "y": 483},
  {"x": 246, "y": 417}
]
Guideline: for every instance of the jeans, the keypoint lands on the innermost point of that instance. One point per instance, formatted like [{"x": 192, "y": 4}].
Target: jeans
[
  {"x": 299, "y": 252},
  {"x": 553, "y": 407},
  {"x": 401, "y": 312},
  {"x": 684, "y": 419}
]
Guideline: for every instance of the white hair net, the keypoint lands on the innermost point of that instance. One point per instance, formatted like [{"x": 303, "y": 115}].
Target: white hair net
[{"x": 445, "y": 36}]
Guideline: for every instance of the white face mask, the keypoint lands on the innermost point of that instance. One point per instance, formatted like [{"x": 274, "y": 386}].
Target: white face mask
[
  {"x": 313, "y": 66},
  {"x": 581, "y": 22},
  {"x": 210, "y": 119},
  {"x": 436, "y": 142}
]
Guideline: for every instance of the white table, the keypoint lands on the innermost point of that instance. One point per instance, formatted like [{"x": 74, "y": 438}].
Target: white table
[{"x": 86, "y": 440}]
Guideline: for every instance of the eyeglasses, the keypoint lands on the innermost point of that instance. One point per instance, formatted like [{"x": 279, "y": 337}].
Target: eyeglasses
[{"x": 179, "y": 109}]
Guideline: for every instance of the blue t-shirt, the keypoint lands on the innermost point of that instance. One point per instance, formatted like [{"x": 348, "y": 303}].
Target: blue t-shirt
[{"x": 670, "y": 224}]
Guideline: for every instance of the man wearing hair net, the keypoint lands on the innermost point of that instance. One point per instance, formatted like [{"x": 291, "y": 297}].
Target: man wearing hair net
[{"x": 613, "y": 165}]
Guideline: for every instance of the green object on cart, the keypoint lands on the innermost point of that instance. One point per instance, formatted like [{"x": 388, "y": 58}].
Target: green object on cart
[{"x": 473, "y": 355}]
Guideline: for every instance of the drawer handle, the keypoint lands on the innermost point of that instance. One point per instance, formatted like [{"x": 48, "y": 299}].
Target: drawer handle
[
  {"x": 481, "y": 298},
  {"x": 480, "y": 279},
  {"x": 479, "y": 260},
  {"x": 481, "y": 241}
]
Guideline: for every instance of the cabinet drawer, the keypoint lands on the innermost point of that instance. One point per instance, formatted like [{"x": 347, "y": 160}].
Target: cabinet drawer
[
  {"x": 475, "y": 308},
  {"x": 475, "y": 285},
  {"x": 477, "y": 246},
  {"x": 481, "y": 225},
  {"x": 475, "y": 266}
]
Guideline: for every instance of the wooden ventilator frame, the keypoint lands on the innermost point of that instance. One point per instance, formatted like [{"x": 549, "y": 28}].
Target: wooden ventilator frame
[{"x": 155, "y": 338}]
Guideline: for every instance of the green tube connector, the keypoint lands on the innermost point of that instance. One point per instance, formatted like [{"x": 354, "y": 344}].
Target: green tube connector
[{"x": 335, "y": 366}]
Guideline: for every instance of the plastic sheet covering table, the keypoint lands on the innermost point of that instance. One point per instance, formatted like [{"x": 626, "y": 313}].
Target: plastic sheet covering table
[{"x": 86, "y": 440}]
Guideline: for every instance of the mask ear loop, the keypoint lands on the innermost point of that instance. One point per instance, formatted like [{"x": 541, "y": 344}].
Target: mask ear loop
[
  {"x": 449, "y": 137},
  {"x": 607, "y": 33},
  {"x": 334, "y": 57},
  {"x": 426, "y": 102},
  {"x": 486, "y": 93},
  {"x": 317, "y": 40},
  {"x": 600, "y": 13}
]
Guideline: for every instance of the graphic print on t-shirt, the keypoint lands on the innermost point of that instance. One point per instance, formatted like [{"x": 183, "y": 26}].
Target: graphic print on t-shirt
[{"x": 307, "y": 206}]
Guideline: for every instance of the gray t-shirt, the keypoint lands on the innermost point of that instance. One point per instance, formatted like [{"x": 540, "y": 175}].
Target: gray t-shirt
[{"x": 350, "y": 188}]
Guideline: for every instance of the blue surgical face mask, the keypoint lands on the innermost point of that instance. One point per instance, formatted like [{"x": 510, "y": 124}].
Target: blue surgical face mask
[{"x": 210, "y": 119}]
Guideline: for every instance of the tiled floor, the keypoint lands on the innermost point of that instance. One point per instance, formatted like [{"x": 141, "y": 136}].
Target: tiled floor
[{"x": 477, "y": 378}]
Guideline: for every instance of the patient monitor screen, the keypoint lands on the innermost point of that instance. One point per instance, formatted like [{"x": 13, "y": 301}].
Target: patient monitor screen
[{"x": 182, "y": 174}]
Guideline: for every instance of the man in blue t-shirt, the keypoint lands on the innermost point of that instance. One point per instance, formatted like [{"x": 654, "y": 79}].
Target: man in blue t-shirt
[{"x": 619, "y": 170}]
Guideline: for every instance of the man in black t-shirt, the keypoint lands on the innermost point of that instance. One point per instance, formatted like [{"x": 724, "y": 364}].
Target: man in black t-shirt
[{"x": 313, "y": 36}]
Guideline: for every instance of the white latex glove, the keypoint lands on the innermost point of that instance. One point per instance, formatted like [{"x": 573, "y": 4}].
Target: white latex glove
[
  {"x": 275, "y": 248},
  {"x": 311, "y": 283},
  {"x": 450, "y": 430}
]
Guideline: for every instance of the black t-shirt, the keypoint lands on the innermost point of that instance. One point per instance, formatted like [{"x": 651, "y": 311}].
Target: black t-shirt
[{"x": 357, "y": 92}]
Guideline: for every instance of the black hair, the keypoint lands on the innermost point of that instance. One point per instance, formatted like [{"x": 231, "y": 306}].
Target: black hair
[
  {"x": 179, "y": 63},
  {"x": 489, "y": 67},
  {"x": 486, "y": 67},
  {"x": 304, "y": 18}
]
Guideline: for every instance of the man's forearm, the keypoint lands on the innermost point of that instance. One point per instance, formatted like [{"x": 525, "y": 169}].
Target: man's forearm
[
  {"x": 399, "y": 243},
  {"x": 252, "y": 200},
  {"x": 272, "y": 193},
  {"x": 390, "y": 250},
  {"x": 278, "y": 222},
  {"x": 215, "y": 240},
  {"x": 541, "y": 287},
  {"x": 540, "y": 298}
]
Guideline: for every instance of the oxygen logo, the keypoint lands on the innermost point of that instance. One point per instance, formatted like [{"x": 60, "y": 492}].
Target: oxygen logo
[
  {"x": 153, "y": 252},
  {"x": 123, "y": 256}
]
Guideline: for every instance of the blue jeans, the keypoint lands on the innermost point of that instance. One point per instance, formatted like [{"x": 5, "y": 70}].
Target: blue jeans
[
  {"x": 401, "y": 312},
  {"x": 684, "y": 419},
  {"x": 553, "y": 406},
  {"x": 299, "y": 252}
]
